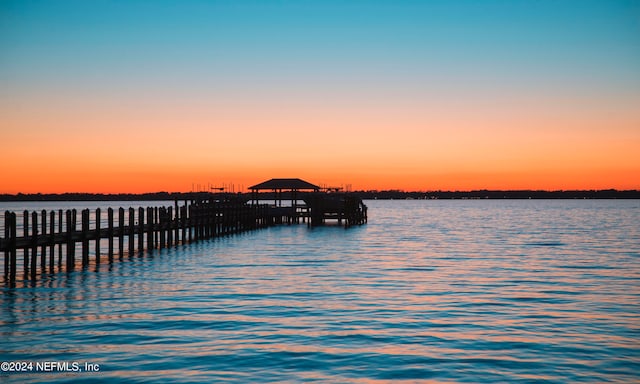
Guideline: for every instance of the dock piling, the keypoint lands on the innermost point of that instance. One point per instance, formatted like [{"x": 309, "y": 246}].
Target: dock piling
[
  {"x": 34, "y": 244},
  {"x": 43, "y": 247},
  {"x": 98, "y": 233},
  {"x": 131, "y": 230},
  {"x": 52, "y": 240},
  {"x": 71, "y": 246},
  {"x": 141, "y": 229},
  {"x": 120, "y": 232},
  {"x": 85, "y": 237},
  {"x": 60, "y": 227},
  {"x": 110, "y": 233},
  {"x": 25, "y": 228}
]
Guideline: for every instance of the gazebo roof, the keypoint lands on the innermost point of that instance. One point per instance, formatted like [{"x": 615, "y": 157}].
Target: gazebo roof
[{"x": 288, "y": 184}]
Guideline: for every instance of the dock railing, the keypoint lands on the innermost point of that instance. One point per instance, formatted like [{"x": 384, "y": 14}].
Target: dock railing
[{"x": 51, "y": 240}]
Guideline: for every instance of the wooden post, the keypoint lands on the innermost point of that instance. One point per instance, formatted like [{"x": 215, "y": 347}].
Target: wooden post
[
  {"x": 176, "y": 222},
  {"x": 162, "y": 218},
  {"x": 132, "y": 223},
  {"x": 85, "y": 237},
  {"x": 52, "y": 239},
  {"x": 70, "y": 244},
  {"x": 60, "y": 229},
  {"x": 110, "y": 232},
  {"x": 98, "y": 234},
  {"x": 74, "y": 222},
  {"x": 121, "y": 231},
  {"x": 196, "y": 221},
  {"x": 150, "y": 224},
  {"x": 7, "y": 233},
  {"x": 25, "y": 223},
  {"x": 6, "y": 250},
  {"x": 195, "y": 214},
  {"x": 176, "y": 225},
  {"x": 187, "y": 220},
  {"x": 141, "y": 229},
  {"x": 183, "y": 222},
  {"x": 156, "y": 221},
  {"x": 25, "y": 233},
  {"x": 12, "y": 235},
  {"x": 169, "y": 227},
  {"x": 43, "y": 248},
  {"x": 190, "y": 210},
  {"x": 167, "y": 224}
]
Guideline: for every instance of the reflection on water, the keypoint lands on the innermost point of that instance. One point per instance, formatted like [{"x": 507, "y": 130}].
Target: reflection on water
[{"x": 448, "y": 291}]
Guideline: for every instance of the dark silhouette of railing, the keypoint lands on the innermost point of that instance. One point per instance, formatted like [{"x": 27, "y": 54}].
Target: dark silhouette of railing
[{"x": 46, "y": 236}]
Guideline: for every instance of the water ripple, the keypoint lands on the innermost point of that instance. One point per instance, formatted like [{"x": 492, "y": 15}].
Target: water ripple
[{"x": 436, "y": 291}]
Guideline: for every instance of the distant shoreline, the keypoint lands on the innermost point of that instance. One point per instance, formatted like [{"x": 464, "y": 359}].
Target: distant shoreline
[{"x": 367, "y": 195}]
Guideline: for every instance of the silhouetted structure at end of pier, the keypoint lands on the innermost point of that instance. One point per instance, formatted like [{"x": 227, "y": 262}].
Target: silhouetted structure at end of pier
[{"x": 309, "y": 202}]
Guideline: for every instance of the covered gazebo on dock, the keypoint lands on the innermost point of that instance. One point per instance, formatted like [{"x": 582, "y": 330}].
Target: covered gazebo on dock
[
  {"x": 317, "y": 207},
  {"x": 280, "y": 186}
]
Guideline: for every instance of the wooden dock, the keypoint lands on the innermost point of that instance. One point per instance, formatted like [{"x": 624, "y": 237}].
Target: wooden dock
[{"x": 63, "y": 240}]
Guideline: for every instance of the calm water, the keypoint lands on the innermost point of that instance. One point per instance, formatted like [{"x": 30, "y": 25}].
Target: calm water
[{"x": 445, "y": 291}]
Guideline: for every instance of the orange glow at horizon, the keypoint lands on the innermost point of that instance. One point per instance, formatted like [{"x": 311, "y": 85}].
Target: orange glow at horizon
[
  {"x": 84, "y": 146},
  {"x": 71, "y": 174},
  {"x": 175, "y": 169}
]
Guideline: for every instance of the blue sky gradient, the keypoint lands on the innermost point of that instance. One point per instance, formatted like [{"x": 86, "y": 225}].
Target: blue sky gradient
[{"x": 330, "y": 61}]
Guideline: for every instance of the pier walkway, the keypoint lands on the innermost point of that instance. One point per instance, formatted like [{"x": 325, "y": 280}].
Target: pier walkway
[{"x": 56, "y": 240}]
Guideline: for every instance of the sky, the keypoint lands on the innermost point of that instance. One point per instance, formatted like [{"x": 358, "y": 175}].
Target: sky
[{"x": 144, "y": 96}]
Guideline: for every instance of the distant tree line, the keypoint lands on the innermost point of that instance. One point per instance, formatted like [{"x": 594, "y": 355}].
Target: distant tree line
[
  {"x": 487, "y": 194},
  {"x": 102, "y": 196},
  {"x": 367, "y": 195}
]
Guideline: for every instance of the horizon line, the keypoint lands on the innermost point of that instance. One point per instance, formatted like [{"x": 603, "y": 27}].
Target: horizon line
[{"x": 395, "y": 190}]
